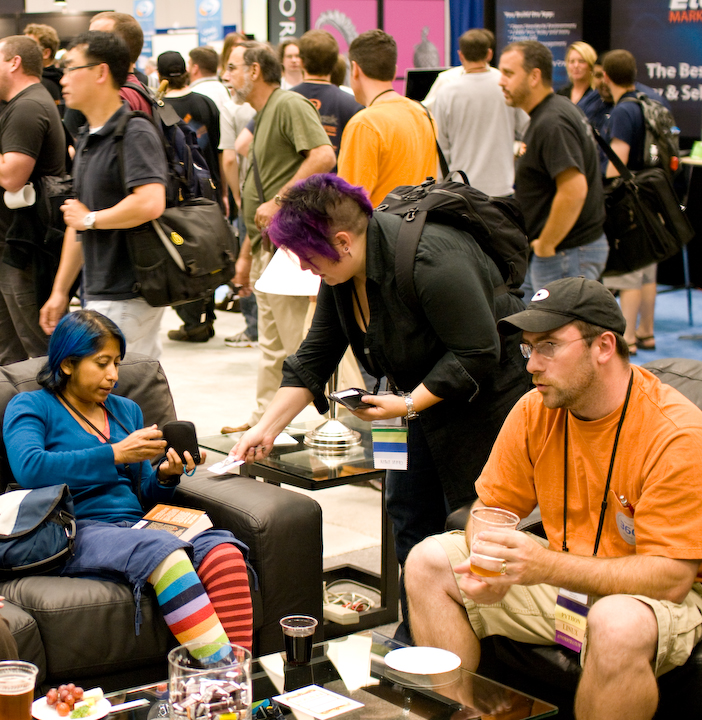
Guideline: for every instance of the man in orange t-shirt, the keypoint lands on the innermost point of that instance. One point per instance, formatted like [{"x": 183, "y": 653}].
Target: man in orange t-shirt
[
  {"x": 595, "y": 429},
  {"x": 393, "y": 141}
]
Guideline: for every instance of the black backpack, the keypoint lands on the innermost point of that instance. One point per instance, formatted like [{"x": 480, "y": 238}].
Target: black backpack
[
  {"x": 661, "y": 142},
  {"x": 189, "y": 176},
  {"x": 184, "y": 255},
  {"x": 496, "y": 224}
]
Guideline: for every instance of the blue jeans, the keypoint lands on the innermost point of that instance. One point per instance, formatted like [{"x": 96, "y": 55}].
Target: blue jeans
[{"x": 586, "y": 260}]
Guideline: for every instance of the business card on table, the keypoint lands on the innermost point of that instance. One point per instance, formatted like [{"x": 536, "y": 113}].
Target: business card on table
[
  {"x": 226, "y": 466},
  {"x": 318, "y": 702}
]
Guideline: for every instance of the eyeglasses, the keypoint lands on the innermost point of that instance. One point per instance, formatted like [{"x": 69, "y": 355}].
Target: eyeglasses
[
  {"x": 547, "y": 349},
  {"x": 70, "y": 69},
  {"x": 231, "y": 67}
]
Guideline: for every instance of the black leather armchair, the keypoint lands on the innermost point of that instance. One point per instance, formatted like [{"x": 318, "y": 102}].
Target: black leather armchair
[
  {"x": 82, "y": 631},
  {"x": 552, "y": 672}
]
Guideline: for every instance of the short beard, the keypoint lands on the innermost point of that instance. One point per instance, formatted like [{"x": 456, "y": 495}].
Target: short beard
[
  {"x": 580, "y": 385},
  {"x": 242, "y": 94}
]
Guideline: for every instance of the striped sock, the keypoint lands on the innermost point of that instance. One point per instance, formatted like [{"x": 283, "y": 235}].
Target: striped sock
[
  {"x": 186, "y": 607},
  {"x": 223, "y": 573}
]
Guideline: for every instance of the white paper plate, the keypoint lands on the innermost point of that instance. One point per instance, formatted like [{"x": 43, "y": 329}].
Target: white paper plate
[
  {"x": 42, "y": 711},
  {"x": 422, "y": 660}
]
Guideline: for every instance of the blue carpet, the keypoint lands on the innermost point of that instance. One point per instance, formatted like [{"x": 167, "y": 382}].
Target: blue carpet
[{"x": 672, "y": 325}]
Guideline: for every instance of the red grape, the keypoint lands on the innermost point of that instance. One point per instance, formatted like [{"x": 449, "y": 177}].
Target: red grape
[{"x": 62, "y": 709}]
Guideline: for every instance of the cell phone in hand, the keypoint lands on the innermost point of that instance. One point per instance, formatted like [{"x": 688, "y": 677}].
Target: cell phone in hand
[
  {"x": 351, "y": 398},
  {"x": 181, "y": 436}
]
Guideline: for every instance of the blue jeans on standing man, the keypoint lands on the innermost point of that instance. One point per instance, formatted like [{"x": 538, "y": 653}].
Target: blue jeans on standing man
[{"x": 586, "y": 260}]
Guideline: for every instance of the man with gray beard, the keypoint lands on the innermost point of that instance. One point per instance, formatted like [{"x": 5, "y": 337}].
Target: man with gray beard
[{"x": 289, "y": 144}]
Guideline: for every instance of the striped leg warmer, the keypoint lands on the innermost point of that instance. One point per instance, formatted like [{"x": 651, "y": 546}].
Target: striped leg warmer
[
  {"x": 186, "y": 608},
  {"x": 223, "y": 573}
]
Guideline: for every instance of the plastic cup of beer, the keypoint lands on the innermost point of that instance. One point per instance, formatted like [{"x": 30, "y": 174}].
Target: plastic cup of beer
[
  {"x": 17, "y": 680},
  {"x": 493, "y": 519}
]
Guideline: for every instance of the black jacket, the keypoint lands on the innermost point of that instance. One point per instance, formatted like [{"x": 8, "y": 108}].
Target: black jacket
[{"x": 452, "y": 347}]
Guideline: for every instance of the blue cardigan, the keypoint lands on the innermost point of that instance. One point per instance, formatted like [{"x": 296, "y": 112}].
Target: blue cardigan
[{"x": 47, "y": 446}]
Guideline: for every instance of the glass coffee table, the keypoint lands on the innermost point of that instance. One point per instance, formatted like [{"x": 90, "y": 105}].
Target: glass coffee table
[
  {"x": 302, "y": 467},
  {"x": 355, "y": 668}
]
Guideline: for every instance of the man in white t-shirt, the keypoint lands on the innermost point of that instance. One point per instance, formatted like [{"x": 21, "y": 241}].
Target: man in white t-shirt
[
  {"x": 202, "y": 68},
  {"x": 477, "y": 129}
]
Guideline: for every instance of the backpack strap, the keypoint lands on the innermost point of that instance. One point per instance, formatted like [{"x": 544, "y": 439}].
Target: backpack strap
[
  {"x": 405, "y": 252},
  {"x": 442, "y": 159},
  {"x": 166, "y": 113},
  {"x": 621, "y": 168}
]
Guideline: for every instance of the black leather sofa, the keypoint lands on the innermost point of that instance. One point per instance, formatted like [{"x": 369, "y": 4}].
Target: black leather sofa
[
  {"x": 552, "y": 672},
  {"x": 83, "y": 631}
]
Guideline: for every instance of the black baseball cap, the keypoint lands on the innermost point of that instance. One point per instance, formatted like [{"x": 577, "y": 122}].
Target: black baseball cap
[
  {"x": 563, "y": 301},
  {"x": 170, "y": 64}
]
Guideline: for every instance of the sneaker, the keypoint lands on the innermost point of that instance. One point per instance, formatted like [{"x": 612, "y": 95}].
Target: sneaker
[
  {"x": 200, "y": 334},
  {"x": 242, "y": 340}
]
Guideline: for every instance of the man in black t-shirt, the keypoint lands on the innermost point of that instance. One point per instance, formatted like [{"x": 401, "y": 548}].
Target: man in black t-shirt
[
  {"x": 558, "y": 182},
  {"x": 97, "y": 64},
  {"x": 319, "y": 52},
  {"x": 32, "y": 145}
]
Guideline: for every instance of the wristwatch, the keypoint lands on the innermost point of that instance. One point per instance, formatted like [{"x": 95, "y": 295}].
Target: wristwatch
[
  {"x": 89, "y": 220},
  {"x": 411, "y": 412}
]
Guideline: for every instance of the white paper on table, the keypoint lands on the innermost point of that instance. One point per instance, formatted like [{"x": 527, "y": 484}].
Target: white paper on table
[
  {"x": 352, "y": 659},
  {"x": 318, "y": 702},
  {"x": 285, "y": 439},
  {"x": 284, "y": 276}
]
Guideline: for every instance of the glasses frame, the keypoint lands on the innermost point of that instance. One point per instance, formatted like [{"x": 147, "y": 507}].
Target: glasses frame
[
  {"x": 69, "y": 69},
  {"x": 527, "y": 349}
]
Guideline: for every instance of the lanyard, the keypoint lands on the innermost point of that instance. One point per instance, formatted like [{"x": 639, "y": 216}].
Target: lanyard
[
  {"x": 609, "y": 474},
  {"x": 366, "y": 350},
  {"x": 136, "y": 486}
]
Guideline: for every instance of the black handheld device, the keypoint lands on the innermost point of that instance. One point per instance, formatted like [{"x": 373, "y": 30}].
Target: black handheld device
[
  {"x": 351, "y": 398},
  {"x": 181, "y": 436}
]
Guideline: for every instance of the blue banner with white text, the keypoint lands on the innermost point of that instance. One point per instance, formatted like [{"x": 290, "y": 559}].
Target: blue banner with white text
[
  {"x": 209, "y": 21},
  {"x": 665, "y": 37},
  {"x": 555, "y": 23},
  {"x": 145, "y": 14}
]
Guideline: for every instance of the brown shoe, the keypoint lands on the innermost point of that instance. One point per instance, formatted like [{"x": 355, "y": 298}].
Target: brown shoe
[{"x": 226, "y": 430}]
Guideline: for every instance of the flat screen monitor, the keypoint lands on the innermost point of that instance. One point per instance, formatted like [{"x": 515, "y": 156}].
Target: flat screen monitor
[{"x": 420, "y": 80}]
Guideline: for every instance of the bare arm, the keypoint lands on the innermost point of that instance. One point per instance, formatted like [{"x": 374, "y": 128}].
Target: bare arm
[
  {"x": 230, "y": 171},
  {"x": 15, "y": 169},
  {"x": 243, "y": 142},
  {"x": 257, "y": 442},
  {"x": 566, "y": 207},
  {"x": 144, "y": 203},
  {"x": 622, "y": 150},
  {"x": 318, "y": 160},
  {"x": 69, "y": 266}
]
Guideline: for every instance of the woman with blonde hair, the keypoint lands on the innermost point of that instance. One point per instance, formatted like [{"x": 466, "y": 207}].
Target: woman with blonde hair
[{"x": 580, "y": 62}]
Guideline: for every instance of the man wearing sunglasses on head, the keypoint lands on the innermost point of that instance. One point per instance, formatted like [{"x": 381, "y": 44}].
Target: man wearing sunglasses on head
[{"x": 610, "y": 455}]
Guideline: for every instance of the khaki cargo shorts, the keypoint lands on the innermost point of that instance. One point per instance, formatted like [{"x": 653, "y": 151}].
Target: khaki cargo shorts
[{"x": 526, "y": 614}]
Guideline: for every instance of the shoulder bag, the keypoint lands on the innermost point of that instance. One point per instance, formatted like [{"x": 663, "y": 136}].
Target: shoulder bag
[
  {"x": 37, "y": 530},
  {"x": 645, "y": 222}
]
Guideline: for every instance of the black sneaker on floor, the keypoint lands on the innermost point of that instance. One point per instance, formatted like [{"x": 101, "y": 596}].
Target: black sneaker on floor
[{"x": 200, "y": 334}]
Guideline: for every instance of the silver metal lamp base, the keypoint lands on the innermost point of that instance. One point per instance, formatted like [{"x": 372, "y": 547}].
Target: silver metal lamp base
[{"x": 332, "y": 437}]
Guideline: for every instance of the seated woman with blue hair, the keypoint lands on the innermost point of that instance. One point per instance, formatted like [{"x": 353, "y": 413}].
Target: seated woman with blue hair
[{"x": 75, "y": 431}]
